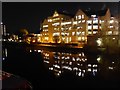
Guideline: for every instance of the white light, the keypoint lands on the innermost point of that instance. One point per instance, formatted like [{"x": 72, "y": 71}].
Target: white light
[
  {"x": 39, "y": 50},
  {"x": 99, "y": 42},
  {"x": 89, "y": 65},
  {"x": 98, "y": 59},
  {"x": 79, "y": 74},
  {"x": 94, "y": 65},
  {"x": 110, "y": 68},
  {"x": 89, "y": 69},
  {"x": 30, "y": 50},
  {"x": 113, "y": 62},
  {"x": 113, "y": 38},
  {"x": 73, "y": 59},
  {"x": 94, "y": 70}
]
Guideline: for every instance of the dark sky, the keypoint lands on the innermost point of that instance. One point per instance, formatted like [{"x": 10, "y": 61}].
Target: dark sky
[{"x": 17, "y": 15}]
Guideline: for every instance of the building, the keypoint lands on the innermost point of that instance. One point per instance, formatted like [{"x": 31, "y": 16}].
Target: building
[{"x": 78, "y": 28}]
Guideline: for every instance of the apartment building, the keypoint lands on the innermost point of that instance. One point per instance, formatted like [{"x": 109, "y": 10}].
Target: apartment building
[{"x": 66, "y": 28}]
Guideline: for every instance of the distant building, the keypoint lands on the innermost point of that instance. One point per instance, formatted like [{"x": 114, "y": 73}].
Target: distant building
[{"x": 77, "y": 28}]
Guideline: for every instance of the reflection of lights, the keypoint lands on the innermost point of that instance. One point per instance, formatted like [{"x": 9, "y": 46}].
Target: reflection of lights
[
  {"x": 94, "y": 65},
  {"x": 94, "y": 70},
  {"x": 78, "y": 59},
  {"x": 75, "y": 68},
  {"x": 82, "y": 74},
  {"x": 85, "y": 59},
  {"x": 63, "y": 57},
  {"x": 66, "y": 67},
  {"x": 50, "y": 68},
  {"x": 89, "y": 65},
  {"x": 89, "y": 69},
  {"x": 73, "y": 59},
  {"x": 70, "y": 63},
  {"x": 84, "y": 71},
  {"x": 3, "y": 58},
  {"x": 30, "y": 50},
  {"x": 46, "y": 61},
  {"x": 80, "y": 54},
  {"x": 79, "y": 69},
  {"x": 78, "y": 64},
  {"x": 39, "y": 50},
  {"x": 57, "y": 66},
  {"x": 6, "y": 52},
  {"x": 110, "y": 68},
  {"x": 79, "y": 74},
  {"x": 113, "y": 62},
  {"x": 98, "y": 59}
]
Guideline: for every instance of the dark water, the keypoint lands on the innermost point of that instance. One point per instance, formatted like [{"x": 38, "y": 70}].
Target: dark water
[{"x": 50, "y": 69}]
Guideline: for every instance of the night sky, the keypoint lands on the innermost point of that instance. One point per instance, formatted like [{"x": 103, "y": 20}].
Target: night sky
[{"x": 18, "y": 15}]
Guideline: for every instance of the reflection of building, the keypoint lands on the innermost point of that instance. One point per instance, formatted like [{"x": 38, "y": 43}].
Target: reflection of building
[
  {"x": 60, "y": 62},
  {"x": 74, "y": 29}
]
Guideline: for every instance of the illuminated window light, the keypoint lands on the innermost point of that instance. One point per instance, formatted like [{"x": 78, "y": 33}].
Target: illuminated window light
[
  {"x": 110, "y": 68},
  {"x": 89, "y": 65},
  {"x": 45, "y": 25},
  {"x": 111, "y": 21},
  {"x": 83, "y": 16},
  {"x": 89, "y": 21},
  {"x": 79, "y": 16},
  {"x": 93, "y": 15}
]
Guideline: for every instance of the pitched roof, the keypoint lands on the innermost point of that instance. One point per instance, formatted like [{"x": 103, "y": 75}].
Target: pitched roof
[{"x": 98, "y": 13}]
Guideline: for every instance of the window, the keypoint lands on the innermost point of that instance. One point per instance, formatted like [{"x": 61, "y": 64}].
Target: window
[
  {"x": 95, "y": 21},
  {"x": 95, "y": 26},
  {"x": 82, "y": 16},
  {"x": 83, "y": 21},
  {"x": 79, "y": 17},
  {"x": 89, "y": 27},
  {"x": 89, "y": 21},
  {"x": 109, "y": 32},
  {"x": 45, "y": 26},
  {"x": 93, "y": 15},
  {"x": 73, "y": 33}
]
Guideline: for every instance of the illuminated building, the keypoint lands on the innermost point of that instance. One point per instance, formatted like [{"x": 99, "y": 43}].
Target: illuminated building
[{"x": 62, "y": 27}]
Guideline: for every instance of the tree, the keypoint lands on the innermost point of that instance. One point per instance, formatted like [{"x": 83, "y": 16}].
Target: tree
[{"x": 23, "y": 33}]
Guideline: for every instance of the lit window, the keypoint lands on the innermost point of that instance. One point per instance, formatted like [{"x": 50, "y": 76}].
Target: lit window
[
  {"x": 109, "y": 32},
  {"x": 49, "y": 20},
  {"x": 111, "y": 21},
  {"x": 73, "y": 33},
  {"x": 83, "y": 21},
  {"x": 79, "y": 38},
  {"x": 95, "y": 26},
  {"x": 89, "y": 21},
  {"x": 56, "y": 34},
  {"x": 93, "y": 15},
  {"x": 89, "y": 32},
  {"x": 89, "y": 27},
  {"x": 45, "y": 25},
  {"x": 111, "y": 27},
  {"x": 75, "y": 22},
  {"x": 79, "y": 17},
  {"x": 94, "y": 32},
  {"x": 79, "y": 21},
  {"x": 95, "y": 21},
  {"x": 82, "y": 16},
  {"x": 46, "y": 38}
]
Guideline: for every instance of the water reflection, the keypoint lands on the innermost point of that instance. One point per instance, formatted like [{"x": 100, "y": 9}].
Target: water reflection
[
  {"x": 79, "y": 64},
  {"x": 60, "y": 62},
  {"x": 4, "y": 53}
]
